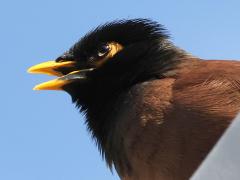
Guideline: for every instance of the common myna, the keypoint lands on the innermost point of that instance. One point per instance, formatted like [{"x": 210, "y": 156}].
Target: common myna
[{"x": 154, "y": 109}]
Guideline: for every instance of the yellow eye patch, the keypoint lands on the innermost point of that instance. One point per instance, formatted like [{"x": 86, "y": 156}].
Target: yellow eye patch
[{"x": 114, "y": 48}]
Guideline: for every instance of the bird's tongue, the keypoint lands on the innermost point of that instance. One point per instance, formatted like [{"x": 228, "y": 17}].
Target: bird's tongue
[{"x": 57, "y": 84}]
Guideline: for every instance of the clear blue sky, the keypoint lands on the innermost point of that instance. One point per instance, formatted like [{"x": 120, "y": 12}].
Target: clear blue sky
[{"x": 42, "y": 135}]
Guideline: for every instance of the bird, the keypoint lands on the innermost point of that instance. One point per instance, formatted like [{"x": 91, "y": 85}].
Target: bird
[{"x": 154, "y": 109}]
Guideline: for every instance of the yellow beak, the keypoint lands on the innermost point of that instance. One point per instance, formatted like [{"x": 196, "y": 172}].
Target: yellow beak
[{"x": 50, "y": 68}]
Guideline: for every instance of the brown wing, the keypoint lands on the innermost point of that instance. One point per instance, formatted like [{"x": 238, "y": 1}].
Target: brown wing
[
  {"x": 175, "y": 122},
  {"x": 205, "y": 100},
  {"x": 212, "y": 87}
]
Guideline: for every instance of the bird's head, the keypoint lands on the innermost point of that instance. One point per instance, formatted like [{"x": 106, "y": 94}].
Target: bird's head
[
  {"x": 104, "y": 64},
  {"x": 109, "y": 59}
]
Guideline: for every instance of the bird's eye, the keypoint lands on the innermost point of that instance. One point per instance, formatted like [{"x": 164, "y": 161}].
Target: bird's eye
[
  {"x": 103, "y": 50},
  {"x": 91, "y": 58}
]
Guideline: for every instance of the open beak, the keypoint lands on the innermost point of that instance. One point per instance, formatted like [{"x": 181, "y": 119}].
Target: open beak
[{"x": 52, "y": 68}]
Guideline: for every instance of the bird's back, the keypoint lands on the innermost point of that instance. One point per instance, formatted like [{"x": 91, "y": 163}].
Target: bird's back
[{"x": 166, "y": 127}]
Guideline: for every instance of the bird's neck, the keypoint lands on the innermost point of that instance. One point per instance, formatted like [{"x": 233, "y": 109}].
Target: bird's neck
[{"x": 102, "y": 108}]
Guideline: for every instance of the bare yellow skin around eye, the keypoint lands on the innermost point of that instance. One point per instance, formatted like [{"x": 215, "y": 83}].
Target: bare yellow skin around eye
[{"x": 114, "y": 49}]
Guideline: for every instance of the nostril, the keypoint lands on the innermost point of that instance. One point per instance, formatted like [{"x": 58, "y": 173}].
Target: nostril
[{"x": 65, "y": 57}]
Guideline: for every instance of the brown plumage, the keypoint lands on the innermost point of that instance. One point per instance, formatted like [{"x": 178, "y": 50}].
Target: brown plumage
[
  {"x": 154, "y": 110},
  {"x": 175, "y": 121}
]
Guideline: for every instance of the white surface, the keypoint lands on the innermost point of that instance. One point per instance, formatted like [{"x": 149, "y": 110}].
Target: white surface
[{"x": 223, "y": 162}]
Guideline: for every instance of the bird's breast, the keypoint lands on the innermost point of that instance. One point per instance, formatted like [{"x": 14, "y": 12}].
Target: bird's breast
[{"x": 140, "y": 132}]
